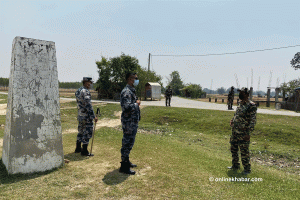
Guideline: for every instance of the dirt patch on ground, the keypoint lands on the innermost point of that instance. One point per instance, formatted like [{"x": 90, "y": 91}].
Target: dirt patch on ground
[
  {"x": 3, "y": 109},
  {"x": 68, "y": 108},
  {"x": 65, "y": 100},
  {"x": 102, "y": 123},
  {"x": 281, "y": 163}
]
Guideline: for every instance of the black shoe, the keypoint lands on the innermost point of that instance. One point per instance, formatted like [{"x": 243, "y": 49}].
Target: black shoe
[
  {"x": 132, "y": 165},
  {"x": 78, "y": 147},
  {"x": 246, "y": 172},
  {"x": 85, "y": 152},
  {"x": 125, "y": 168},
  {"x": 233, "y": 168}
]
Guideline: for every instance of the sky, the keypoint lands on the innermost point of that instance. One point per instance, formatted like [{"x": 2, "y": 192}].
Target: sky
[{"x": 84, "y": 31}]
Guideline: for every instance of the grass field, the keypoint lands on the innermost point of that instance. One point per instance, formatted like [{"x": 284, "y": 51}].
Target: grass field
[{"x": 177, "y": 151}]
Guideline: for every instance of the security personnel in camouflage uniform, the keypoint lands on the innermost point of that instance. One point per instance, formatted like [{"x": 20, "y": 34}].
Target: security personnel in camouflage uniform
[
  {"x": 168, "y": 95},
  {"x": 130, "y": 118},
  {"x": 242, "y": 125},
  {"x": 230, "y": 98},
  {"x": 85, "y": 117}
]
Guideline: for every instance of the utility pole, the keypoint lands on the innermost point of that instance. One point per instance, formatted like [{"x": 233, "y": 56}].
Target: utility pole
[
  {"x": 237, "y": 81},
  {"x": 247, "y": 82},
  {"x": 258, "y": 84},
  {"x": 277, "y": 83},
  {"x": 270, "y": 81},
  {"x": 251, "y": 78},
  {"x": 149, "y": 62}
]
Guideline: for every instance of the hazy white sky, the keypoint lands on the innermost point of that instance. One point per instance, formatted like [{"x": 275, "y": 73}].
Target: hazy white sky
[{"x": 83, "y": 31}]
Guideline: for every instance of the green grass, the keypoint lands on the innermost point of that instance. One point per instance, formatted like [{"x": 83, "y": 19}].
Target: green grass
[
  {"x": 3, "y": 98},
  {"x": 177, "y": 150}
]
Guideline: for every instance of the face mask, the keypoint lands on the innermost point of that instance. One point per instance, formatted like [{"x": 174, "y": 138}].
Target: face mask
[
  {"x": 136, "y": 82},
  {"x": 241, "y": 96}
]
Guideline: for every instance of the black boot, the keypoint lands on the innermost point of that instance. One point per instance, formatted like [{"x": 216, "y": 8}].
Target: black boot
[
  {"x": 85, "y": 152},
  {"x": 125, "y": 168},
  {"x": 246, "y": 172},
  {"x": 234, "y": 168},
  {"x": 132, "y": 165},
  {"x": 78, "y": 147}
]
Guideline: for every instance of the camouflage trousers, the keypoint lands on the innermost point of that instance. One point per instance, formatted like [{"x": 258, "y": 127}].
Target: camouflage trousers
[
  {"x": 85, "y": 131},
  {"x": 230, "y": 102},
  {"x": 243, "y": 145},
  {"x": 168, "y": 99},
  {"x": 129, "y": 133}
]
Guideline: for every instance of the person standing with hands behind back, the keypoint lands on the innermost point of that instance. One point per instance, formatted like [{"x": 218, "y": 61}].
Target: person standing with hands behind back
[
  {"x": 242, "y": 125},
  {"x": 130, "y": 118}
]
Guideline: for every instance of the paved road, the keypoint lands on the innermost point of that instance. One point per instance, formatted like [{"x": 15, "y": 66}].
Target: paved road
[{"x": 187, "y": 103}]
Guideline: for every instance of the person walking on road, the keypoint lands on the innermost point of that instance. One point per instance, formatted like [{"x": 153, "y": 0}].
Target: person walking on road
[
  {"x": 230, "y": 98},
  {"x": 168, "y": 95}
]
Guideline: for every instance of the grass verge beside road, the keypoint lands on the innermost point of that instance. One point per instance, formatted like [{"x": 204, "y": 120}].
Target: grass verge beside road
[{"x": 177, "y": 151}]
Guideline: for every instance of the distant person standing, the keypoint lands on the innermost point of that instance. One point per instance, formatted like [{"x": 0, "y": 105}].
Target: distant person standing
[
  {"x": 230, "y": 98},
  {"x": 85, "y": 117},
  {"x": 130, "y": 118},
  {"x": 242, "y": 125},
  {"x": 168, "y": 95}
]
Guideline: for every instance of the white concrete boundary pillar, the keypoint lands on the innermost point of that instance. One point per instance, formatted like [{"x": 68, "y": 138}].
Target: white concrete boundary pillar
[{"x": 33, "y": 140}]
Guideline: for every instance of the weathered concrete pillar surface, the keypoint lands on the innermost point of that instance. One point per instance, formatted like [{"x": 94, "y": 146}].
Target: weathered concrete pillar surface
[{"x": 33, "y": 139}]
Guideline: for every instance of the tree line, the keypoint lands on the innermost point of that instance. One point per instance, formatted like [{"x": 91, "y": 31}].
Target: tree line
[
  {"x": 112, "y": 73},
  {"x": 4, "y": 82}
]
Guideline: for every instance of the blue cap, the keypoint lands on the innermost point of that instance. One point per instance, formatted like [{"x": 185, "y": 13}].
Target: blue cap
[
  {"x": 85, "y": 79},
  {"x": 244, "y": 89}
]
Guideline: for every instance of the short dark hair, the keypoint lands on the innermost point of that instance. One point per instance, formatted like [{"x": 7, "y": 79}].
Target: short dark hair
[{"x": 130, "y": 74}]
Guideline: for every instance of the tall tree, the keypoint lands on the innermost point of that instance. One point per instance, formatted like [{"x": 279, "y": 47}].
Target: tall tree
[
  {"x": 193, "y": 90},
  {"x": 295, "y": 62},
  {"x": 221, "y": 90},
  {"x": 175, "y": 82},
  {"x": 112, "y": 74},
  {"x": 289, "y": 87},
  {"x": 144, "y": 77},
  {"x": 104, "y": 82}
]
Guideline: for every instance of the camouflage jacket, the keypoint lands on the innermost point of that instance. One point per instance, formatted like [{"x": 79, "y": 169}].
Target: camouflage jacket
[
  {"x": 169, "y": 92},
  {"x": 230, "y": 95},
  {"x": 84, "y": 105},
  {"x": 130, "y": 109},
  {"x": 244, "y": 119}
]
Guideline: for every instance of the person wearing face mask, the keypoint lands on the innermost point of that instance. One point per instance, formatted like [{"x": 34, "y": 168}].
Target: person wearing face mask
[
  {"x": 85, "y": 117},
  {"x": 130, "y": 118},
  {"x": 242, "y": 125}
]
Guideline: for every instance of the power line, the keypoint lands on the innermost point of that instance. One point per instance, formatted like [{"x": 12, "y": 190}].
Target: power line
[{"x": 221, "y": 54}]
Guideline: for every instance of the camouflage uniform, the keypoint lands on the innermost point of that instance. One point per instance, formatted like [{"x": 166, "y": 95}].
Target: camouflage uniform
[
  {"x": 85, "y": 115},
  {"x": 230, "y": 99},
  {"x": 130, "y": 118},
  {"x": 243, "y": 121},
  {"x": 168, "y": 94}
]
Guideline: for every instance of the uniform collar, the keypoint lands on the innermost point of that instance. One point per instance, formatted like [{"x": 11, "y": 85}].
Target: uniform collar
[
  {"x": 246, "y": 102},
  {"x": 131, "y": 88}
]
